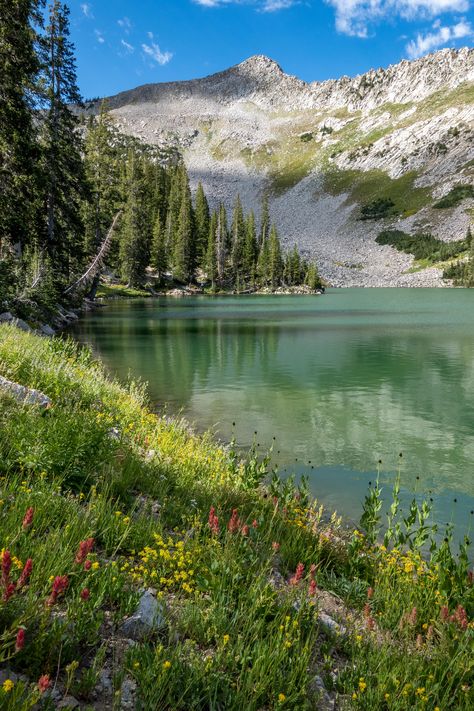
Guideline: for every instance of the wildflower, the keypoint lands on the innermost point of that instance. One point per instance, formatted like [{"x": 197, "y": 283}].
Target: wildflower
[
  {"x": 6, "y": 567},
  {"x": 362, "y": 685},
  {"x": 412, "y": 617},
  {"x": 234, "y": 522},
  {"x": 254, "y": 523},
  {"x": 95, "y": 565},
  {"x": 419, "y": 641},
  {"x": 7, "y": 685},
  {"x": 213, "y": 521},
  {"x": 25, "y": 574},
  {"x": 298, "y": 574},
  {"x": 312, "y": 588},
  {"x": 85, "y": 594},
  {"x": 9, "y": 591},
  {"x": 444, "y": 612},
  {"x": 460, "y": 617},
  {"x": 83, "y": 551},
  {"x": 225, "y": 638},
  {"x": 275, "y": 546},
  {"x": 44, "y": 683},
  {"x": 20, "y": 639},
  {"x": 60, "y": 584},
  {"x": 87, "y": 565},
  {"x": 28, "y": 518},
  {"x": 245, "y": 530},
  {"x": 370, "y": 593},
  {"x": 281, "y": 698},
  {"x": 166, "y": 664},
  {"x": 136, "y": 665}
]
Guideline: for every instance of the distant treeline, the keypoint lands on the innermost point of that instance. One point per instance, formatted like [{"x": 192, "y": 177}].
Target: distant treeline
[{"x": 63, "y": 178}]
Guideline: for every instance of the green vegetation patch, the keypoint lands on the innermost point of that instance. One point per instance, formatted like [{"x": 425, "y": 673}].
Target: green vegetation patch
[
  {"x": 422, "y": 246},
  {"x": 367, "y": 186},
  {"x": 455, "y": 196},
  {"x": 119, "y": 290}
]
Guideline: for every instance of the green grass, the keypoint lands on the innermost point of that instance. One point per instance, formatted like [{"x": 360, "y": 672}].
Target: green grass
[
  {"x": 366, "y": 186},
  {"x": 455, "y": 196},
  {"x": 98, "y": 464},
  {"x": 107, "y": 291}
]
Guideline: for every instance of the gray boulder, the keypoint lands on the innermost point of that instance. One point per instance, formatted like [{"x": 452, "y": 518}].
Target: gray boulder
[
  {"x": 148, "y": 618},
  {"x": 22, "y": 325},
  {"x": 6, "y": 317},
  {"x": 27, "y": 396},
  {"x": 47, "y": 330}
]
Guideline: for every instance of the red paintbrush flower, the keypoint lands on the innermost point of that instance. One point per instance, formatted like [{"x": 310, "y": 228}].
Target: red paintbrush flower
[
  {"x": 9, "y": 591},
  {"x": 85, "y": 594},
  {"x": 298, "y": 574},
  {"x": 25, "y": 574},
  {"x": 28, "y": 518},
  {"x": 20, "y": 639},
  {"x": 44, "y": 682},
  {"x": 60, "y": 584},
  {"x": 234, "y": 522},
  {"x": 83, "y": 551}
]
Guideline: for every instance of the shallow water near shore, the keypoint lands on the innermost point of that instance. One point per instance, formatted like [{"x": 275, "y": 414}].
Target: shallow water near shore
[{"x": 340, "y": 381}]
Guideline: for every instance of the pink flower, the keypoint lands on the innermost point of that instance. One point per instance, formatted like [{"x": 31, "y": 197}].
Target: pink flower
[
  {"x": 276, "y": 546},
  {"x": 312, "y": 588},
  {"x": 9, "y": 591},
  {"x": 254, "y": 523},
  {"x": 234, "y": 522},
  {"x": 44, "y": 682},
  {"x": 461, "y": 617},
  {"x": 444, "y": 612},
  {"x": 83, "y": 551},
  {"x": 28, "y": 518},
  {"x": 85, "y": 594},
  {"x": 245, "y": 530},
  {"x": 25, "y": 574},
  {"x": 370, "y": 593},
  {"x": 298, "y": 574},
  {"x": 213, "y": 521},
  {"x": 87, "y": 565},
  {"x": 411, "y": 619},
  {"x": 20, "y": 639},
  {"x": 60, "y": 584}
]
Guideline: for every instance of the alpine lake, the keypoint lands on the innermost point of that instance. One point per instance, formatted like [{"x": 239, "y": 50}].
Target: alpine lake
[{"x": 335, "y": 384}]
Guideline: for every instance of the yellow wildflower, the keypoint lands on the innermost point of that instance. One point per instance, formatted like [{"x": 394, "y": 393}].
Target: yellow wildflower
[
  {"x": 95, "y": 566},
  {"x": 225, "y": 638},
  {"x": 281, "y": 698},
  {"x": 8, "y": 685},
  {"x": 167, "y": 664}
]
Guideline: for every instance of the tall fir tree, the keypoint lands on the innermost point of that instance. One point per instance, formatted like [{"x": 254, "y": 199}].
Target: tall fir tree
[
  {"x": 264, "y": 221},
  {"x": 183, "y": 249},
  {"x": 250, "y": 248},
  {"x": 237, "y": 236},
  {"x": 134, "y": 235},
  {"x": 159, "y": 256},
  {"x": 201, "y": 217},
  {"x": 19, "y": 179},
  {"x": 221, "y": 241},
  {"x": 61, "y": 146},
  {"x": 275, "y": 262},
  {"x": 211, "y": 252}
]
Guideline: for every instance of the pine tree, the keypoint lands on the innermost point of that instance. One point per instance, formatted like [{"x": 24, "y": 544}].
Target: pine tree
[
  {"x": 312, "y": 277},
  {"x": 263, "y": 263},
  {"x": 250, "y": 248},
  {"x": 221, "y": 240},
  {"x": 62, "y": 145},
  {"x": 201, "y": 218},
  {"x": 211, "y": 252},
  {"x": 134, "y": 239},
  {"x": 159, "y": 256},
  {"x": 19, "y": 155},
  {"x": 275, "y": 262},
  {"x": 237, "y": 236},
  {"x": 183, "y": 254}
]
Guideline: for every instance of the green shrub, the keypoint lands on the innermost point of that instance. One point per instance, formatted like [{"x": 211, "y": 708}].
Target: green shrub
[
  {"x": 455, "y": 196},
  {"x": 422, "y": 246},
  {"x": 377, "y": 209}
]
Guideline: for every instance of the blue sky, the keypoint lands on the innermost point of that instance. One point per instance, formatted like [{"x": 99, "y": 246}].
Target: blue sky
[{"x": 123, "y": 43}]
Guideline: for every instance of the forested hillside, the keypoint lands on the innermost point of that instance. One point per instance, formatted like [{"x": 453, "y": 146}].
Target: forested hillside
[{"x": 64, "y": 177}]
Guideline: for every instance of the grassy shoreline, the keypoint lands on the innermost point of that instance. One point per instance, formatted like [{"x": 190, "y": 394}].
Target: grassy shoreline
[{"x": 274, "y": 606}]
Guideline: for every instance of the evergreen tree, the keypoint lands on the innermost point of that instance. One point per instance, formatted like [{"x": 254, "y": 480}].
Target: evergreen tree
[
  {"x": 62, "y": 145},
  {"x": 19, "y": 67},
  {"x": 263, "y": 263},
  {"x": 221, "y": 241},
  {"x": 275, "y": 262},
  {"x": 201, "y": 217},
  {"x": 250, "y": 248},
  {"x": 312, "y": 277},
  {"x": 211, "y": 252},
  {"x": 134, "y": 239},
  {"x": 183, "y": 251},
  {"x": 159, "y": 256},
  {"x": 237, "y": 235}
]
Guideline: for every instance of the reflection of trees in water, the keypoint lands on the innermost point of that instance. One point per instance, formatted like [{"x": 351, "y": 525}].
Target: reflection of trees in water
[{"x": 344, "y": 395}]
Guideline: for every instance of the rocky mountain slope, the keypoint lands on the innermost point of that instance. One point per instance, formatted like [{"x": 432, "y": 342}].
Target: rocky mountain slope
[{"x": 324, "y": 149}]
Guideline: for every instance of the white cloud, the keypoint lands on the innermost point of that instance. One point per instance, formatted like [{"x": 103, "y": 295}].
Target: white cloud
[
  {"x": 126, "y": 45},
  {"x": 99, "y": 36},
  {"x": 262, "y": 5},
  {"x": 353, "y": 17},
  {"x": 443, "y": 35},
  {"x": 87, "y": 10},
  {"x": 125, "y": 24},
  {"x": 153, "y": 50}
]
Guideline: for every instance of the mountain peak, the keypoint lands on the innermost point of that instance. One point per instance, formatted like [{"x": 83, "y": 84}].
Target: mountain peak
[{"x": 259, "y": 63}]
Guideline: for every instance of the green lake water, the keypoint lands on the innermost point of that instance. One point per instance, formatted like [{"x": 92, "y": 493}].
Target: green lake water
[{"x": 340, "y": 381}]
